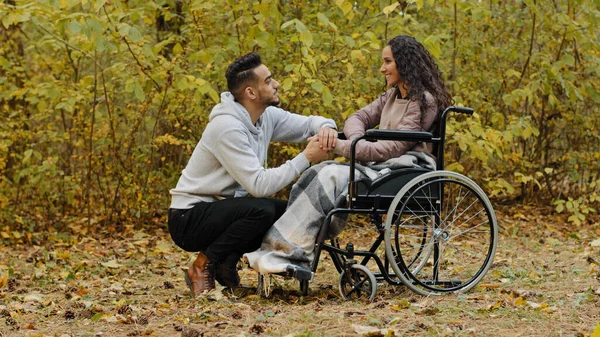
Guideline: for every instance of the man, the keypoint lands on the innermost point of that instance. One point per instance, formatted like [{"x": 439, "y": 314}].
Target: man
[{"x": 211, "y": 211}]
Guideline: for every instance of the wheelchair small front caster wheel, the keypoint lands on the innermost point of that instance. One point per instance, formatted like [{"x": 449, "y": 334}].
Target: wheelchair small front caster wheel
[{"x": 358, "y": 282}]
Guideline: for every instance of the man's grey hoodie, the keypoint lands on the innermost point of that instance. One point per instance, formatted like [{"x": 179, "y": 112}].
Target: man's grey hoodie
[{"x": 229, "y": 160}]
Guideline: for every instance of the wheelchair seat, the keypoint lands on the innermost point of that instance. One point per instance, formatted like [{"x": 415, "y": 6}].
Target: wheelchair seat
[
  {"x": 380, "y": 191},
  {"x": 389, "y": 183}
]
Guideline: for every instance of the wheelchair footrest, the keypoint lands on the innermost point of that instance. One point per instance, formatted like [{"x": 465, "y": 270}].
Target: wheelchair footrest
[{"x": 299, "y": 273}]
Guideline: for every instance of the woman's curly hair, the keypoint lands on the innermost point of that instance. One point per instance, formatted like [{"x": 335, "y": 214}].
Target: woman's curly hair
[{"x": 418, "y": 70}]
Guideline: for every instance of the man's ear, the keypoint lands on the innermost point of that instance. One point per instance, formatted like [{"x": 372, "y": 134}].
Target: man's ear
[{"x": 250, "y": 93}]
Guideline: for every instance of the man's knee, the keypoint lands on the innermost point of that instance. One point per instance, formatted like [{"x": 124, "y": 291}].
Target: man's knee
[{"x": 267, "y": 212}]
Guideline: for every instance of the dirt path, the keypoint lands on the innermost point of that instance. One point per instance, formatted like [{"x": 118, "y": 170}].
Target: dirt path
[{"x": 545, "y": 282}]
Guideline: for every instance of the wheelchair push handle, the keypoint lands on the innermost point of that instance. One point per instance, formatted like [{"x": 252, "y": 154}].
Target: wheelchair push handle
[{"x": 459, "y": 109}]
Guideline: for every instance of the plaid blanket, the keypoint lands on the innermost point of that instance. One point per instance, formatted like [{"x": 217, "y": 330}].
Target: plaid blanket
[{"x": 320, "y": 189}]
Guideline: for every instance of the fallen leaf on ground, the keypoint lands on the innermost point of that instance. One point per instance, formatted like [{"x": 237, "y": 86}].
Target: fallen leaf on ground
[
  {"x": 4, "y": 280},
  {"x": 402, "y": 304},
  {"x": 537, "y": 305},
  {"x": 112, "y": 264},
  {"x": 596, "y": 332},
  {"x": 371, "y": 331},
  {"x": 489, "y": 285},
  {"x": 163, "y": 247},
  {"x": 496, "y": 305},
  {"x": 33, "y": 298},
  {"x": 519, "y": 301},
  {"x": 428, "y": 311}
]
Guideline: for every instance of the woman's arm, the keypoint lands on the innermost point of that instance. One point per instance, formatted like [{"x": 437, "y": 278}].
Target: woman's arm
[
  {"x": 362, "y": 120},
  {"x": 366, "y": 118},
  {"x": 382, "y": 150}
]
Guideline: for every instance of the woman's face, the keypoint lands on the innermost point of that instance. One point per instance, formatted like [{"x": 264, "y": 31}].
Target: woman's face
[{"x": 388, "y": 68}]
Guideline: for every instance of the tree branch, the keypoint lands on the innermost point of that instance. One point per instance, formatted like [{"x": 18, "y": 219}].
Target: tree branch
[
  {"x": 72, "y": 46},
  {"x": 530, "y": 48},
  {"x": 142, "y": 67}
]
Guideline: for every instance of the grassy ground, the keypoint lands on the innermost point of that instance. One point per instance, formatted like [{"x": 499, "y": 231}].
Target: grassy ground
[{"x": 545, "y": 282}]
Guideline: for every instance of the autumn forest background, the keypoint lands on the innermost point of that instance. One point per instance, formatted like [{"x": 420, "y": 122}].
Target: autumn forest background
[{"x": 103, "y": 101}]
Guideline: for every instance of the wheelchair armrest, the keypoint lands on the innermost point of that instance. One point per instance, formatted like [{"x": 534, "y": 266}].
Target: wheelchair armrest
[
  {"x": 460, "y": 109},
  {"x": 374, "y": 134}
]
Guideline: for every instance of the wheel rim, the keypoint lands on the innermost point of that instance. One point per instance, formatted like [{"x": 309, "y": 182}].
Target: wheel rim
[
  {"x": 420, "y": 240},
  {"x": 359, "y": 284},
  {"x": 441, "y": 245}
]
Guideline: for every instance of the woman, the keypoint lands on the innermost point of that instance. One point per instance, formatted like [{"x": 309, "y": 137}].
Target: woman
[
  {"x": 417, "y": 93},
  {"x": 416, "y": 96}
]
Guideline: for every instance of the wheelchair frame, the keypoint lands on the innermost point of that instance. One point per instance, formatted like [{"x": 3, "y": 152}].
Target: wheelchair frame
[{"x": 430, "y": 228}]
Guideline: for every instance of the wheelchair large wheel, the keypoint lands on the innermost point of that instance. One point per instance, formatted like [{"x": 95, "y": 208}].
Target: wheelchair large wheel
[
  {"x": 440, "y": 233},
  {"x": 358, "y": 282}
]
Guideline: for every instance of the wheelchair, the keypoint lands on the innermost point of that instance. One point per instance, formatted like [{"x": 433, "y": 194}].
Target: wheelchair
[{"x": 438, "y": 227}]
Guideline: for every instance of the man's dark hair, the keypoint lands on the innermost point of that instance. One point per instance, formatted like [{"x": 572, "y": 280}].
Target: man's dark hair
[{"x": 240, "y": 72}]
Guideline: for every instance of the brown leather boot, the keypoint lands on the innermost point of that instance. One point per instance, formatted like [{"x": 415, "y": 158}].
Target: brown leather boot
[
  {"x": 226, "y": 272},
  {"x": 201, "y": 275}
]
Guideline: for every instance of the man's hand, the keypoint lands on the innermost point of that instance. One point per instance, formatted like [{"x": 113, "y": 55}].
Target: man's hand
[
  {"x": 327, "y": 138},
  {"x": 313, "y": 151}
]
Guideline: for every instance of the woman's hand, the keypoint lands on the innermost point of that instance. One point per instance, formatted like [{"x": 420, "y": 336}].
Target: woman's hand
[{"x": 327, "y": 138}]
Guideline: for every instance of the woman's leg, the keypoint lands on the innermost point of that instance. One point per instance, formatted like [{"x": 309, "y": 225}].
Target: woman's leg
[{"x": 291, "y": 239}]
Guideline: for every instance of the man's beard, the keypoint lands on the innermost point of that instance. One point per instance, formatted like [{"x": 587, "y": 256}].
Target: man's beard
[
  {"x": 270, "y": 102},
  {"x": 275, "y": 103}
]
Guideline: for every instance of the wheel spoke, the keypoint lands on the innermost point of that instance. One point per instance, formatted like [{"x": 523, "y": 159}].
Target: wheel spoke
[{"x": 472, "y": 229}]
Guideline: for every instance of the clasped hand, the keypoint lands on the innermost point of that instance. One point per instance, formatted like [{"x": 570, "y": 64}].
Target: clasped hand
[{"x": 320, "y": 144}]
